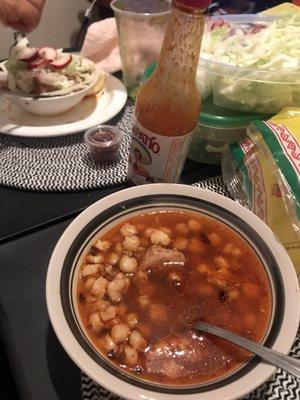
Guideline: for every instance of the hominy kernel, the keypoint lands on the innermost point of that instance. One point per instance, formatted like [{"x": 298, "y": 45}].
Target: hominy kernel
[
  {"x": 144, "y": 300},
  {"x": 228, "y": 248},
  {"x": 120, "y": 332},
  {"x": 113, "y": 258},
  {"x": 131, "y": 243},
  {"x": 148, "y": 232},
  {"x": 234, "y": 294},
  {"x": 89, "y": 283},
  {"x": 102, "y": 244},
  {"x": 131, "y": 320},
  {"x": 196, "y": 246},
  {"x": 128, "y": 264},
  {"x": 237, "y": 252},
  {"x": 99, "y": 287},
  {"x": 221, "y": 262},
  {"x": 160, "y": 238},
  {"x": 131, "y": 355},
  {"x": 182, "y": 229},
  {"x": 95, "y": 322},
  {"x": 250, "y": 289},
  {"x": 157, "y": 313},
  {"x": 214, "y": 239},
  {"x": 203, "y": 268},
  {"x": 119, "y": 248},
  {"x": 167, "y": 231},
  {"x": 108, "y": 314},
  {"x": 89, "y": 269},
  {"x": 108, "y": 343},
  {"x": 137, "y": 341},
  {"x": 95, "y": 259},
  {"x": 180, "y": 243},
  {"x": 128, "y": 230},
  {"x": 195, "y": 226}
]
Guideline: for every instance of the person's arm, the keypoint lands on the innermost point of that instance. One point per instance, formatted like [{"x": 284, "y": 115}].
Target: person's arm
[{"x": 21, "y": 15}]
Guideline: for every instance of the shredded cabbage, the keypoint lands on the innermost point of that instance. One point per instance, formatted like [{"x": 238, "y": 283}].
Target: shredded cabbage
[{"x": 268, "y": 59}]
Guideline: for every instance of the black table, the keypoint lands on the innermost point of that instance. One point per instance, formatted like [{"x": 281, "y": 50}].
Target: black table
[{"x": 31, "y": 224}]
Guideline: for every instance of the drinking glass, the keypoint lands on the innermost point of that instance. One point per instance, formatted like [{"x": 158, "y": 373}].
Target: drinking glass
[{"x": 141, "y": 27}]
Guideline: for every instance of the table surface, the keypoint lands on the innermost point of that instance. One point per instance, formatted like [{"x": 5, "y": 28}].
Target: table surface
[{"x": 31, "y": 224}]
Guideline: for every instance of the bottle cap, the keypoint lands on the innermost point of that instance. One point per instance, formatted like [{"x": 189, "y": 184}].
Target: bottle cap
[{"x": 196, "y": 3}]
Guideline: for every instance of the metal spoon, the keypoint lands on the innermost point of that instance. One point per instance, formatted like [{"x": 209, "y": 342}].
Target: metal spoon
[{"x": 272, "y": 357}]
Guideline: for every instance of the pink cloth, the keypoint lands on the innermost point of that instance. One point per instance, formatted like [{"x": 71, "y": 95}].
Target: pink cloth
[{"x": 101, "y": 45}]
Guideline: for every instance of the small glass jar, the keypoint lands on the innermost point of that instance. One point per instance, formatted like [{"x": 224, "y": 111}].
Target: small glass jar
[{"x": 104, "y": 142}]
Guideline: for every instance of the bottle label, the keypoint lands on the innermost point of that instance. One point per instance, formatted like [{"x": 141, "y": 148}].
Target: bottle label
[{"x": 156, "y": 158}]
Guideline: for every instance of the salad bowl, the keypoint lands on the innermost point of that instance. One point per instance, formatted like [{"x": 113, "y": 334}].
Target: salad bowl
[
  {"x": 250, "y": 63},
  {"x": 47, "y": 106},
  {"x": 45, "y": 81}
]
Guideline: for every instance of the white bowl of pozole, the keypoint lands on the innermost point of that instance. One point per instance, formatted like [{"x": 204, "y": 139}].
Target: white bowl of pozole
[{"x": 134, "y": 272}]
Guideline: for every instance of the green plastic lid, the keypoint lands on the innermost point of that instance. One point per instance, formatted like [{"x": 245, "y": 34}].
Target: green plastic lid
[{"x": 212, "y": 115}]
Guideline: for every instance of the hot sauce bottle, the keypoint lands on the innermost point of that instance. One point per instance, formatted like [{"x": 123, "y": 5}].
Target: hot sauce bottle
[{"x": 168, "y": 104}]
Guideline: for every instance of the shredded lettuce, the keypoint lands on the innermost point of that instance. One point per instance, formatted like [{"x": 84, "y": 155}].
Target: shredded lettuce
[
  {"x": 13, "y": 65},
  {"x": 71, "y": 68},
  {"x": 268, "y": 61}
]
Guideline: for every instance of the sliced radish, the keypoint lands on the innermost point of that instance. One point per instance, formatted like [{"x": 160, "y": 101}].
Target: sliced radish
[
  {"x": 27, "y": 54},
  {"x": 47, "y": 53},
  {"x": 38, "y": 63},
  {"x": 62, "y": 62},
  {"x": 257, "y": 28},
  {"x": 219, "y": 23}
]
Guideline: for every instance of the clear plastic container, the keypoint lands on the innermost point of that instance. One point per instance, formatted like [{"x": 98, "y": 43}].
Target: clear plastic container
[
  {"x": 217, "y": 128},
  {"x": 104, "y": 142},
  {"x": 246, "y": 89}
]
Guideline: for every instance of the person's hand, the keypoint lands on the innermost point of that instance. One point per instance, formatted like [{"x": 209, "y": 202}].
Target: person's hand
[{"x": 21, "y": 15}]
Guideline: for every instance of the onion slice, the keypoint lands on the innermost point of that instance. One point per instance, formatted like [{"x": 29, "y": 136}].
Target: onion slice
[
  {"x": 47, "y": 53},
  {"x": 27, "y": 54}
]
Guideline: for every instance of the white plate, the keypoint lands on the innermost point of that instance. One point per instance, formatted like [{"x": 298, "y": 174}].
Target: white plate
[
  {"x": 88, "y": 113},
  {"x": 111, "y": 210}
]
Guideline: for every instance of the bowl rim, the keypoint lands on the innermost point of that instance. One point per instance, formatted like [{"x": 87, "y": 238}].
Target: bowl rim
[
  {"x": 242, "y": 386},
  {"x": 139, "y": 15}
]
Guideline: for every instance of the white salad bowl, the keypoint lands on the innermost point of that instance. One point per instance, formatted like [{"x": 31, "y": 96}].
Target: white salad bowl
[
  {"x": 100, "y": 217},
  {"x": 50, "y": 106}
]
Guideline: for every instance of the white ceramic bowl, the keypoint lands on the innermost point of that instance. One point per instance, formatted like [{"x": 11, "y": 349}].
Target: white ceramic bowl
[
  {"x": 50, "y": 106},
  {"x": 100, "y": 217}
]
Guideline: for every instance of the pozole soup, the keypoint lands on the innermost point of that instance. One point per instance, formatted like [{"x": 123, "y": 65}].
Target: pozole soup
[{"x": 145, "y": 283}]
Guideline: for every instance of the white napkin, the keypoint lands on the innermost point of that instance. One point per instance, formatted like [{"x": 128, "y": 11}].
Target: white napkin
[{"x": 101, "y": 45}]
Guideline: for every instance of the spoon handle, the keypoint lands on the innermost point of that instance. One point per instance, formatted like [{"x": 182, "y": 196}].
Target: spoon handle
[{"x": 273, "y": 357}]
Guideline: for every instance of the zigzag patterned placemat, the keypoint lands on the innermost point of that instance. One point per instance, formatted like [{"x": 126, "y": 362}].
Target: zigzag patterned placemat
[
  {"x": 282, "y": 386},
  {"x": 61, "y": 163}
]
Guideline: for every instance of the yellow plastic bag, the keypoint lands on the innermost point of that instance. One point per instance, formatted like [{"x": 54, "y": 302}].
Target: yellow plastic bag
[{"x": 263, "y": 172}]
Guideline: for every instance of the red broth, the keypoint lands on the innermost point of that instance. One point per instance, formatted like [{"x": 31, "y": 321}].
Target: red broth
[{"x": 144, "y": 284}]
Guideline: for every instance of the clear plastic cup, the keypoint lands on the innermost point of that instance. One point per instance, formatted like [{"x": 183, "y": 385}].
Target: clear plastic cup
[
  {"x": 104, "y": 142},
  {"x": 141, "y": 29}
]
